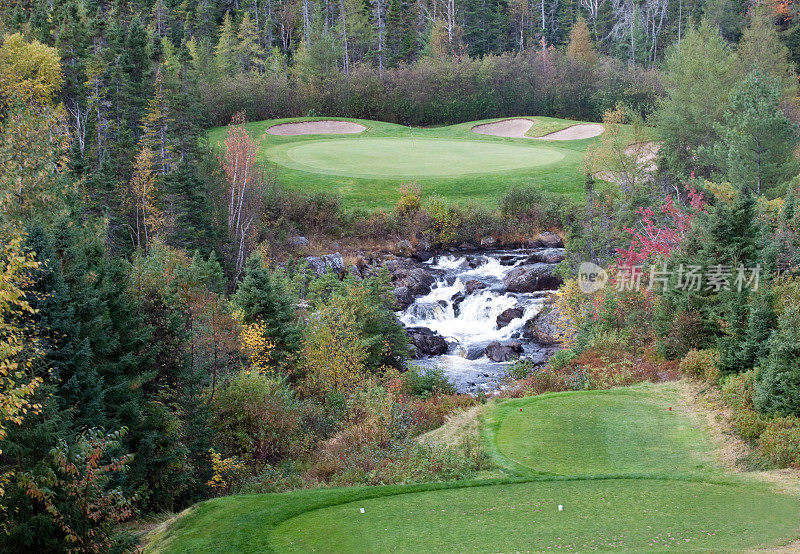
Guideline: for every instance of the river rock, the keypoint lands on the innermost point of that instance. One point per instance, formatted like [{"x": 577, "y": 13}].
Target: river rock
[
  {"x": 488, "y": 241},
  {"x": 404, "y": 297},
  {"x": 551, "y": 240},
  {"x": 473, "y": 284},
  {"x": 320, "y": 265},
  {"x": 417, "y": 280},
  {"x": 498, "y": 352},
  {"x": 508, "y": 316},
  {"x": 542, "y": 327},
  {"x": 531, "y": 278},
  {"x": 422, "y": 255},
  {"x": 427, "y": 342},
  {"x": 547, "y": 256},
  {"x": 457, "y": 299}
]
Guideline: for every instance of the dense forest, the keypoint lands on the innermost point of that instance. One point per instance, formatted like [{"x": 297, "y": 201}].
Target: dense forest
[{"x": 162, "y": 338}]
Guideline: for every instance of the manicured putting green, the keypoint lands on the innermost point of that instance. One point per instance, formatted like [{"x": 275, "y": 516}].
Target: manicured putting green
[
  {"x": 406, "y": 157},
  {"x": 625, "y": 515},
  {"x": 629, "y": 430}
]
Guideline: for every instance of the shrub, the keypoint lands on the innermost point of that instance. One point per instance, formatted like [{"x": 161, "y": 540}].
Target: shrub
[
  {"x": 737, "y": 392},
  {"x": 701, "y": 364},
  {"x": 561, "y": 358},
  {"x": 533, "y": 210},
  {"x": 256, "y": 418},
  {"x": 780, "y": 441},
  {"x": 432, "y": 412},
  {"x": 410, "y": 200},
  {"x": 520, "y": 369},
  {"x": 425, "y": 382},
  {"x": 445, "y": 220}
]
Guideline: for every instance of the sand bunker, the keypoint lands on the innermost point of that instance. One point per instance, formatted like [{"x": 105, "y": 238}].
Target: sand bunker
[
  {"x": 513, "y": 128},
  {"x": 516, "y": 128},
  {"x": 328, "y": 127},
  {"x": 575, "y": 132}
]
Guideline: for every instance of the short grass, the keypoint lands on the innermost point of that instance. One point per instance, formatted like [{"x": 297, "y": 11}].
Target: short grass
[
  {"x": 449, "y": 161},
  {"x": 631, "y": 475},
  {"x": 627, "y": 430}
]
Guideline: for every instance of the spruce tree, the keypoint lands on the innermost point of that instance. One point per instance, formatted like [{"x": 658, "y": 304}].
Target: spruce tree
[{"x": 262, "y": 300}]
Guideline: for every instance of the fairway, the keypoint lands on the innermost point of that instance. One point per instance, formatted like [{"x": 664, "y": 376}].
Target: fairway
[
  {"x": 630, "y": 473},
  {"x": 406, "y": 157}
]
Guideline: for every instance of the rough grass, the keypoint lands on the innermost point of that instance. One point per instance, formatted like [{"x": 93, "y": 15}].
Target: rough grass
[
  {"x": 633, "y": 476},
  {"x": 380, "y": 189}
]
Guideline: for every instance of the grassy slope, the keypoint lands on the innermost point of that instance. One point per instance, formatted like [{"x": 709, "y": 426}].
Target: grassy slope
[
  {"x": 648, "y": 490},
  {"x": 564, "y": 177}
]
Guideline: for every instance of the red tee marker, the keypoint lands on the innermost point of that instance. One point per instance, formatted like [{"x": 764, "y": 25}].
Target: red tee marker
[
  {"x": 670, "y": 408},
  {"x": 520, "y": 409}
]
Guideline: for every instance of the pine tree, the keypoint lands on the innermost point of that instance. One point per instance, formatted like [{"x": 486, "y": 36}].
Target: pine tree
[
  {"x": 249, "y": 53},
  {"x": 262, "y": 300},
  {"x": 756, "y": 138},
  {"x": 778, "y": 385},
  {"x": 225, "y": 52}
]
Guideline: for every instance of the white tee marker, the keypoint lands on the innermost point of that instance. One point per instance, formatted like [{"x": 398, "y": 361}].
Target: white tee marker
[
  {"x": 362, "y": 510},
  {"x": 560, "y": 508}
]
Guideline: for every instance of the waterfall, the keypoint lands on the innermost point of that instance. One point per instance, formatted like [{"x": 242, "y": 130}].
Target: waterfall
[{"x": 463, "y": 307}]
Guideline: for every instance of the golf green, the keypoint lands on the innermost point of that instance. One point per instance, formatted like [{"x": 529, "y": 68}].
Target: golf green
[{"x": 408, "y": 158}]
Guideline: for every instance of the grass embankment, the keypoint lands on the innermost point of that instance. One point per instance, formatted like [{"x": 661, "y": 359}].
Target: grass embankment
[
  {"x": 452, "y": 161},
  {"x": 630, "y": 474}
]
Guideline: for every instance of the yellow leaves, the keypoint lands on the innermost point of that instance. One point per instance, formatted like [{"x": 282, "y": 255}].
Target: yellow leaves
[
  {"x": 572, "y": 306},
  {"x": 142, "y": 192},
  {"x": 257, "y": 347},
  {"x": 224, "y": 469},
  {"x": 30, "y": 73},
  {"x": 16, "y": 387}
]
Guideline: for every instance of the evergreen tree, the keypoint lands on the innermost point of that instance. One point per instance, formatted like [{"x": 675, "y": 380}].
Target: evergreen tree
[
  {"x": 756, "y": 139},
  {"x": 263, "y": 301},
  {"x": 778, "y": 385},
  {"x": 225, "y": 52}
]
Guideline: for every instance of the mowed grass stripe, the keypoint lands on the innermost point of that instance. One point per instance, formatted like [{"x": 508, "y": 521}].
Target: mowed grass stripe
[
  {"x": 624, "y": 514},
  {"x": 616, "y": 431}
]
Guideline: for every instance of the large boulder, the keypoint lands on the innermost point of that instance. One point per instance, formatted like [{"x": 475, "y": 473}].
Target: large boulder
[
  {"x": 405, "y": 248},
  {"x": 543, "y": 327},
  {"x": 457, "y": 299},
  {"x": 473, "y": 284},
  {"x": 321, "y": 265},
  {"x": 531, "y": 278},
  {"x": 547, "y": 256},
  {"x": 298, "y": 241},
  {"x": 498, "y": 352},
  {"x": 507, "y": 316},
  {"x": 551, "y": 240},
  {"x": 417, "y": 280},
  {"x": 427, "y": 342},
  {"x": 403, "y": 297}
]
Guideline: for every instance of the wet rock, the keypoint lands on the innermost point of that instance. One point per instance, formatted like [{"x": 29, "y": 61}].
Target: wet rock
[
  {"x": 533, "y": 243},
  {"x": 516, "y": 346},
  {"x": 457, "y": 299},
  {"x": 298, "y": 242},
  {"x": 417, "y": 280},
  {"x": 473, "y": 284},
  {"x": 542, "y": 327},
  {"x": 404, "y": 297},
  {"x": 498, "y": 352},
  {"x": 321, "y": 265},
  {"x": 507, "y": 316},
  {"x": 405, "y": 248},
  {"x": 531, "y": 278},
  {"x": 551, "y": 240},
  {"x": 488, "y": 241},
  {"x": 466, "y": 246},
  {"x": 422, "y": 255},
  {"x": 427, "y": 342},
  {"x": 507, "y": 260},
  {"x": 547, "y": 256}
]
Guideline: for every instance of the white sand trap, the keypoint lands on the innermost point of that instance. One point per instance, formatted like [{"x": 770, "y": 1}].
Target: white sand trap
[
  {"x": 516, "y": 128},
  {"x": 575, "y": 132},
  {"x": 512, "y": 128},
  {"x": 327, "y": 127}
]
